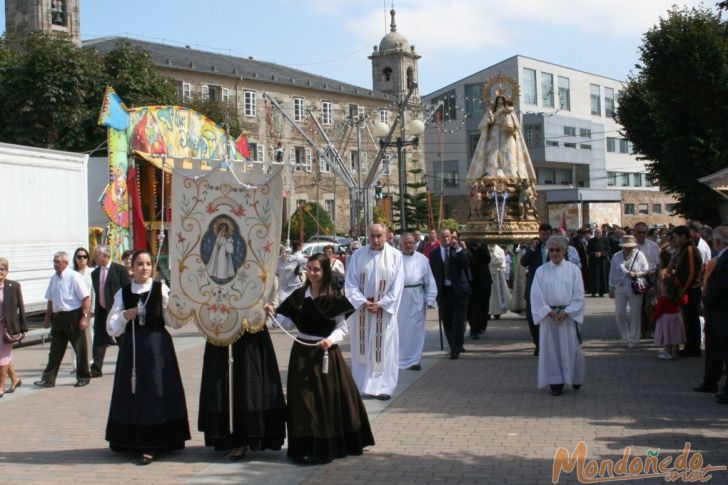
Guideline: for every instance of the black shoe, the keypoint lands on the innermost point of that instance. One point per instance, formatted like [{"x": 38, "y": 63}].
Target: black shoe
[
  {"x": 415, "y": 367},
  {"x": 384, "y": 397},
  {"x": 96, "y": 373},
  {"x": 475, "y": 336},
  {"x": 238, "y": 453},
  {"x": 601, "y": 295},
  {"x": 454, "y": 355},
  {"x": 535, "y": 352},
  {"x": 721, "y": 398},
  {"x": 706, "y": 388},
  {"x": 689, "y": 353},
  {"x": 368, "y": 396},
  {"x": 576, "y": 387},
  {"x": 497, "y": 317},
  {"x": 557, "y": 389},
  {"x": 43, "y": 384},
  {"x": 81, "y": 383},
  {"x": 594, "y": 295}
]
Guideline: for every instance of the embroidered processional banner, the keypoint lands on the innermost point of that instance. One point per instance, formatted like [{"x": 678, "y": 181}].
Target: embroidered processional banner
[{"x": 224, "y": 238}]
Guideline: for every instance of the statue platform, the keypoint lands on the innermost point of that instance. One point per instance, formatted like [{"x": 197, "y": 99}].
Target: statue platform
[{"x": 502, "y": 211}]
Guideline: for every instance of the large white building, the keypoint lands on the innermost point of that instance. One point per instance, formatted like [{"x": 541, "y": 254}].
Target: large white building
[{"x": 585, "y": 168}]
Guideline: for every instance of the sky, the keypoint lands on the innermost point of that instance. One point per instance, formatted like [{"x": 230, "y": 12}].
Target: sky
[{"x": 333, "y": 38}]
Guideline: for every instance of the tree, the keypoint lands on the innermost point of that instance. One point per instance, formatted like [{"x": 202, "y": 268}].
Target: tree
[
  {"x": 50, "y": 92},
  {"x": 451, "y": 224},
  {"x": 307, "y": 213},
  {"x": 54, "y": 91},
  {"x": 674, "y": 107}
]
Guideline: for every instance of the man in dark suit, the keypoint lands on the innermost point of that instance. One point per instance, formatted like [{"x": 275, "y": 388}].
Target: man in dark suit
[
  {"x": 450, "y": 267},
  {"x": 481, "y": 283},
  {"x": 107, "y": 279},
  {"x": 533, "y": 257},
  {"x": 715, "y": 305}
]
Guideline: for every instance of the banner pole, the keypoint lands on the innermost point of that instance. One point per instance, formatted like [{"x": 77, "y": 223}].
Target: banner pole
[{"x": 230, "y": 386}]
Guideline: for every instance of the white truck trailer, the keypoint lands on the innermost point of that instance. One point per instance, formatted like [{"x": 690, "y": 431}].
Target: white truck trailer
[{"x": 44, "y": 200}]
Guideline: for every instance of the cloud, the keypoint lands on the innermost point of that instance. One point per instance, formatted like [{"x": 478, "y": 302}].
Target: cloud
[{"x": 473, "y": 25}]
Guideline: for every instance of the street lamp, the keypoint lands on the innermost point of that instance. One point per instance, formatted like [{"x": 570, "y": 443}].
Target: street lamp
[{"x": 409, "y": 134}]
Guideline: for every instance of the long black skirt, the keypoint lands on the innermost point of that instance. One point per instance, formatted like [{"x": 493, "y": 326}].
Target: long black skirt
[
  {"x": 326, "y": 416},
  {"x": 154, "y": 418},
  {"x": 259, "y": 409},
  {"x": 599, "y": 275}
]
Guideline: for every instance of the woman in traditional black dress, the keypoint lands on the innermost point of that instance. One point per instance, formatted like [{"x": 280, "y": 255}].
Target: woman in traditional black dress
[
  {"x": 148, "y": 412},
  {"x": 259, "y": 409},
  {"x": 326, "y": 415}
]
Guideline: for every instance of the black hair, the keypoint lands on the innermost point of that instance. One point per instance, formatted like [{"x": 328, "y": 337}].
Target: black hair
[
  {"x": 545, "y": 227},
  {"x": 327, "y": 291},
  {"x": 681, "y": 231},
  {"x": 137, "y": 254},
  {"x": 78, "y": 250}
]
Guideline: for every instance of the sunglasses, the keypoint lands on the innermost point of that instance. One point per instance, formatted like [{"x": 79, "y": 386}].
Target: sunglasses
[
  {"x": 82, "y": 256},
  {"x": 554, "y": 250}
]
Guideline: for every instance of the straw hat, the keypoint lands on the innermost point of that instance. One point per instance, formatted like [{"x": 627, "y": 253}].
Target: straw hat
[{"x": 628, "y": 242}]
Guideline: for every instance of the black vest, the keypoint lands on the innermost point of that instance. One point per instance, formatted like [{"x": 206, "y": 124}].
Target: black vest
[{"x": 154, "y": 316}]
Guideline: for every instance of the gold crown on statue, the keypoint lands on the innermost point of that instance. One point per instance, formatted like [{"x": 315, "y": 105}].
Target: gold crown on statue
[{"x": 499, "y": 83}]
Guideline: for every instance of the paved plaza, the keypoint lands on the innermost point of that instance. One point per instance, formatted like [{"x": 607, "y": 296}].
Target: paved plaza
[{"x": 479, "y": 419}]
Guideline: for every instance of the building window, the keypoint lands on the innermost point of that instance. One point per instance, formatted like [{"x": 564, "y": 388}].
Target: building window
[
  {"x": 354, "y": 161},
  {"x": 326, "y": 118},
  {"x": 473, "y": 137},
  {"x": 249, "y": 103},
  {"x": 410, "y": 77},
  {"x": 387, "y": 72},
  {"x": 529, "y": 86},
  {"x": 546, "y": 176},
  {"x": 184, "y": 91},
  {"x": 205, "y": 92},
  {"x": 300, "y": 203},
  {"x": 353, "y": 111},
  {"x": 611, "y": 144},
  {"x": 528, "y": 132},
  {"x": 564, "y": 94},
  {"x": 623, "y": 146},
  {"x": 657, "y": 208},
  {"x": 301, "y": 158},
  {"x": 547, "y": 89},
  {"x": 569, "y": 131},
  {"x": 585, "y": 132},
  {"x": 474, "y": 101},
  {"x": 609, "y": 102},
  {"x": 324, "y": 166},
  {"x": 648, "y": 181},
  {"x": 569, "y": 145},
  {"x": 596, "y": 104},
  {"x": 611, "y": 179},
  {"x": 585, "y": 146},
  {"x": 225, "y": 95},
  {"x": 257, "y": 151},
  {"x": 552, "y": 143},
  {"x": 330, "y": 208},
  {"x": 643, "y": 208},
  {"x": 298, "y": 108},
  {"x": 448, "y": 109},
  {"x": 384, "y": 116},
  {"x": 361, "y": 113},
  {"x": 625, "y": 179},
  {"x": 670, "y": 208},
  {"x": 214, "y": 93},
  {"x": 446, "y": 175},
  {"x": 629, "y": 209},
  {"x": 637, "y": 179}
]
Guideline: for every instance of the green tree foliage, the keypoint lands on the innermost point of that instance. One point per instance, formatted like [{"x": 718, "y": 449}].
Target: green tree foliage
[
  {"x": 451, "y": 224},
  {"x": 675, "y": 107},
  {"x": 310, "y": 228},
  {"x": 51, "y": 91}
]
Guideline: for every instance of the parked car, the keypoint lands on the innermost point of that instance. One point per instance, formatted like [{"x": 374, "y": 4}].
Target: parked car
[{"x": 310, "y": 248}]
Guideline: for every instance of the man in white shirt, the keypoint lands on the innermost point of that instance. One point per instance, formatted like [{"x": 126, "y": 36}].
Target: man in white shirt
[{"x": 67, "y": 314}]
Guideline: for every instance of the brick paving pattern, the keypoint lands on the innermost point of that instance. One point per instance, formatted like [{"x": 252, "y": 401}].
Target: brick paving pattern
[{"x": 479, "y": 419}]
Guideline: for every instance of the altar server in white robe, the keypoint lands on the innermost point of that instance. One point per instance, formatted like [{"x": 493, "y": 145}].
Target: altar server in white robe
[
  {"x": 420, "y": 292},
  {"x": 374, "y": 281},
  {"x": 557, "y": 303},
  {"x": 500, "y": 295}
]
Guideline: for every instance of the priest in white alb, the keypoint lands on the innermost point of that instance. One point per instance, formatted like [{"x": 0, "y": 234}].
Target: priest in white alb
[
  {"x": 374, "y": 280},
  {"x": 420, "y": 292},
  {"x": 557, "y": 304}
]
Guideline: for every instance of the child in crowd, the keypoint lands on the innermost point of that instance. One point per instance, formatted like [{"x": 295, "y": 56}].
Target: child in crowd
[{"x": 669, "y": 328}]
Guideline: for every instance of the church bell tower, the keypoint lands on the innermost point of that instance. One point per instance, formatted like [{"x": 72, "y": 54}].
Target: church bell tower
[
  {"x": 394, "y": 64},
  {"x": 53, "y": 17}
]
